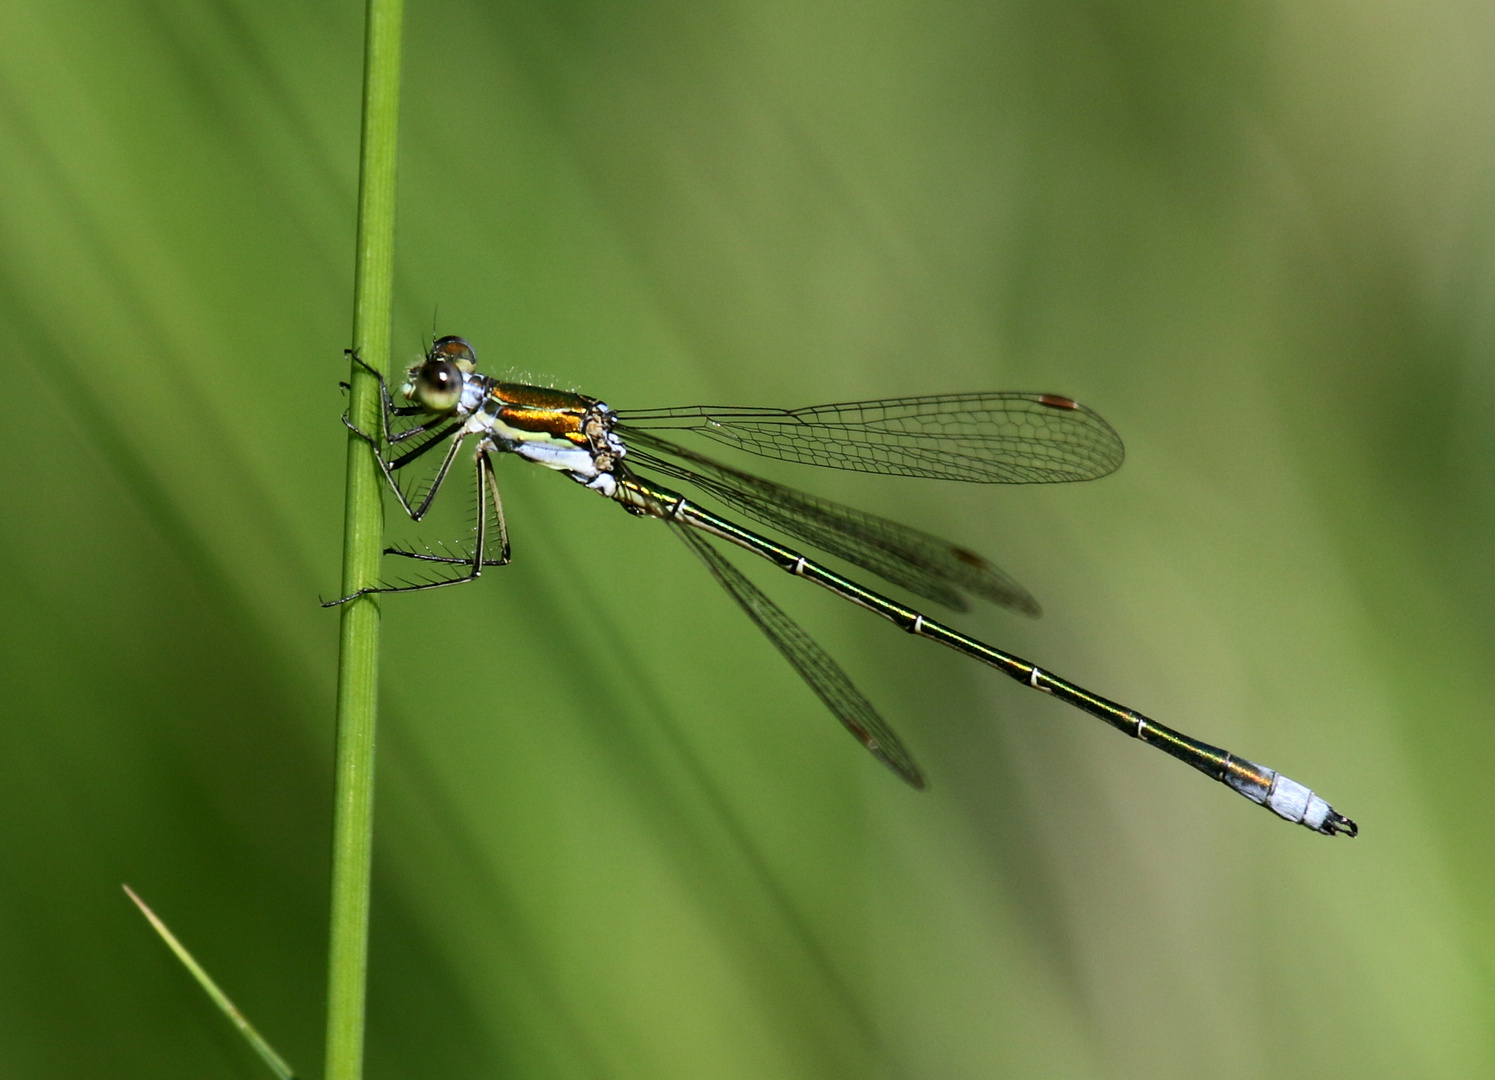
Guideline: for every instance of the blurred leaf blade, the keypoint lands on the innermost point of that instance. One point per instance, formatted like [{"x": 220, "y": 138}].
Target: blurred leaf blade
[{"x": 259, "y": 1043}]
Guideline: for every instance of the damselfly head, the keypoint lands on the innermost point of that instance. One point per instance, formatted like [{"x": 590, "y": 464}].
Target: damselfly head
[{"x": 436, "y": 382}]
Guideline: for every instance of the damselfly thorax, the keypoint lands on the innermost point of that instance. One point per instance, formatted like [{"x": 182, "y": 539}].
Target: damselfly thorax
[
  {"x": 997, "y": 437},
  {"x": 571, "y": 433}
]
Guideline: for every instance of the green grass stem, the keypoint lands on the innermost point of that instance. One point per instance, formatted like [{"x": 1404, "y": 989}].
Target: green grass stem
[
  {"x": 246, "y": 1029},
  {"x": 363, "y": 528}
]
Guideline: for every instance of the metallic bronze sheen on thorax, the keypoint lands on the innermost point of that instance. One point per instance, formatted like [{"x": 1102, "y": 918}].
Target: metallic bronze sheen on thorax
[{"x": 541, "y": 410}]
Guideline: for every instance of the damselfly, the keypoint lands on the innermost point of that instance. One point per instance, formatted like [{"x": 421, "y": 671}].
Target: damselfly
[{"x": 1004, "y": 437}]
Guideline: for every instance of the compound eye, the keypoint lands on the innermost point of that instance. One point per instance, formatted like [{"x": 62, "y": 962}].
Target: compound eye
[
  {"x": 456, "y": 350},
  {"x": 438, "y": 385}
]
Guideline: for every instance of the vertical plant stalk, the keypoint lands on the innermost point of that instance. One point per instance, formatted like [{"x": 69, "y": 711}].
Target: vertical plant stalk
[{"x": 363, "y": 528}]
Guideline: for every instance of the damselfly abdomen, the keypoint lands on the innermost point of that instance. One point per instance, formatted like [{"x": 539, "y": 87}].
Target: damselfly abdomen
[{"x": 1000, "y": 437}]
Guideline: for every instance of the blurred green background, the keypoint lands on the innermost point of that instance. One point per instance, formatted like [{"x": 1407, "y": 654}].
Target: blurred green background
[{"x": 616, "y": 836}]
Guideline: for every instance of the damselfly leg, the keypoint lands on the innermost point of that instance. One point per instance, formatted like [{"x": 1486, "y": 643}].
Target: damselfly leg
[
  {"x": 435, "y": 432},
  {"x": 489, "y": 525},
  {"x": 490, "y": 541}
]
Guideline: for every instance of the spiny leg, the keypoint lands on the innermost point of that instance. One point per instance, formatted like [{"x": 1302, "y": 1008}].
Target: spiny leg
[
  {"x": 451, "y": 456},
  {"x": 389, "y": 467},
  {"x": 493, "y": 502},
  {"x": 475, "y": 563},
  {"x": 497, "y": 503}
]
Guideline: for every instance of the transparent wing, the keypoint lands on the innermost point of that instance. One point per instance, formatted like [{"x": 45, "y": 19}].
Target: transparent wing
[
  {"x": 812, "y": 662},
  {"x": 1001, "y": 437},
  {"x": 923, "y": 564}
]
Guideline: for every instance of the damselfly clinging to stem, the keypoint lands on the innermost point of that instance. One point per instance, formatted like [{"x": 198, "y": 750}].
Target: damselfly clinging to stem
[{"x": 1004, "y": 437}]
